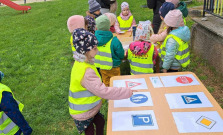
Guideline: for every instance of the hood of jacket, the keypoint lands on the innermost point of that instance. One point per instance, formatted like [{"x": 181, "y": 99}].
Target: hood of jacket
[
  {"x": 182, "y": 32},
  {"x": 127, "y": 16},
  {"x": 183, "y": 8},
  {"x": 103, "y": 36}
]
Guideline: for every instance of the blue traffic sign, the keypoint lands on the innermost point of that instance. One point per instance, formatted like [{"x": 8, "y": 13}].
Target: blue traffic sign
[
  {"x": 138, "y": 98},
  {"x": 191, "y": 99},
  {"x": 142, "y": 120}
]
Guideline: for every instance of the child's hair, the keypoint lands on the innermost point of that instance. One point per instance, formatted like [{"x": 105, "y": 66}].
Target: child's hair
[
  {"x": 85, "y": 22},
  {"x": 169, "y": 29}
]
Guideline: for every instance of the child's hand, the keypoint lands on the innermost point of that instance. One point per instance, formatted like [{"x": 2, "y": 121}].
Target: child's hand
[{"x": 134, "y": 91}]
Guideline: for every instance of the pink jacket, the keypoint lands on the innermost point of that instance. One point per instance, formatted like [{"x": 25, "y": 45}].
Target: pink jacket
[
  {"x": 117, "y": 28},
  {"x": 162, "y": 34},
  {"x": 93, "y": 83}
]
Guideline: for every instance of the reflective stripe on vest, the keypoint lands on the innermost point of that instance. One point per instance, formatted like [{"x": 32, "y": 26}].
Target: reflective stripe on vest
[
  {"x": 7, "y": 126},
  {"x": 141, "y": 64},
  {"x": 183, "y": 53},
  {"x": 103, "y": 59},
  {"x": 80, "y": 99},
  {"x": 125, "y": 24}
]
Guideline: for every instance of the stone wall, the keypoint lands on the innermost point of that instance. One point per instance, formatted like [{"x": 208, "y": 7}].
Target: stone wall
[{"x": 208, "y": 44}]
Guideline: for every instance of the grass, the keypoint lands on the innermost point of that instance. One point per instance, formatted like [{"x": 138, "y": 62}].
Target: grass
[{"x": 36, "y": 57}]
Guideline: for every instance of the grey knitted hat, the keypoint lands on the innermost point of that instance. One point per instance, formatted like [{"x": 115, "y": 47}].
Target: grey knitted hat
[{"x": 93, "y": 6}]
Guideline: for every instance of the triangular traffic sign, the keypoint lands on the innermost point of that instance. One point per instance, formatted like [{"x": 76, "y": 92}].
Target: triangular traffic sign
[{"x": 130, "y": 84}]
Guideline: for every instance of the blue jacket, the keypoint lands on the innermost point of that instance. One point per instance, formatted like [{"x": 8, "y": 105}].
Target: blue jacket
[
  {"x": 116, "y": 46},
  {"x": 172, "y": 46}
]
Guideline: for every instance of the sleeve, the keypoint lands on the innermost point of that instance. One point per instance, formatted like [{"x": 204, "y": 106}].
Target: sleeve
[
  {"x": 118, "y": 48},
  {"x": 158, "y": 37},
  {"x": 11, "y": 109},
  {"x": 117, "y": 28},
  {"x": 171, "y": 47},
  {"x": 94, "y": 84}
]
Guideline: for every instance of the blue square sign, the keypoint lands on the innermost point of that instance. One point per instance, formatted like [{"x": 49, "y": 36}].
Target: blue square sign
[
  {"x": 142, "y": 120},
  {"x": 191, "y": 99}
]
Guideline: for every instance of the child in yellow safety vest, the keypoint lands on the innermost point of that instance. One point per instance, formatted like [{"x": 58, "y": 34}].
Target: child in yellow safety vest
[
  {"x": 12, "y": 120},
  {"x": 125, "y": 20},
  {"x": 141, "y": 53},
  {"x": 110, "y": 53},
  {"x": 74, "y": 22},
  {"x": 164, "y": 9},
  {"x": 86, "y": 88},
  {"x": 174, "y": 51}
]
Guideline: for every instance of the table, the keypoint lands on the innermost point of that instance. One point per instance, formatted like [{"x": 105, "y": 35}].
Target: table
[
  {"x": 125, "y": 38},
  {"x": 163, "y": 113}
]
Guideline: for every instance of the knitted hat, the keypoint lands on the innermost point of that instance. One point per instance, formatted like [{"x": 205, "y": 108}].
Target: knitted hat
[
  {"x": 175, "y": 2},
  {"x": 165, "y": 8},
  {"x": 174, "y": 18},
  {"x": 1, "y": 76},
  {"x": 84, "y": 41},
  {"x": 182, "y": 6},
  {"x": 124, "y": 5},
  {"x": 111, "y": 17},
  {"x": 74, "y": 22},
  {"x": 103, "y": 23},
  {"x": 91, "y": 24},
  {"x": 93, "y": 6},
  {"x": 139, "y": 48}
]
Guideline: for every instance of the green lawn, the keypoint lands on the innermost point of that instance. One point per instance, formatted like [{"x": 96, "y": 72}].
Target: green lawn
[{"x": 36, "y": 57}]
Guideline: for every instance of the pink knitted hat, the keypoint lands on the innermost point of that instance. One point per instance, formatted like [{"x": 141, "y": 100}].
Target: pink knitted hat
[
  {"x": 74, "y": 22},
  {"x": 174, "y": 18},
  {"x": 139, "y": 48},
  {"x": 175, "y": 2},
  {"x": 124, "y": 5},
  {"x": 111, "y": 17}
]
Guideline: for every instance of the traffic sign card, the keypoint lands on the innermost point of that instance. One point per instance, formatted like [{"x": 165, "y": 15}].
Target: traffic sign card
[
  {"x": 136, "y": 100},
  {"x": 134, "y": 84},
  {"x": 198, "y": 122},
  {"x": 134, "y": 120},
  {"x": 187, "y": 100},
  {"x": 179, "y": 80}
]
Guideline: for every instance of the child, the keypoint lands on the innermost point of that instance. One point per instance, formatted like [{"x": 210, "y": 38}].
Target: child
[
  {"x": 74, "y": 22},
  {"x": 94, "y": 9},
  {"x": 142, "y": 54},
  {"x": 86, "y": 88},
  {"x": 112, "y": 19},
  {"x": 125, "y": 20},
  {"x": 12, "y": 120},
  {"x": 110, "y": 53},
  {"x": 174, "y": 51},
  {"x": 91, "y": 24},
  {"x": 164, "y": 9},
  {"x": 182, "y": 6}
]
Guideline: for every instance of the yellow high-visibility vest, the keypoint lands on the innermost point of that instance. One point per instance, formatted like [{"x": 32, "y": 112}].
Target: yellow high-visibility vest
[
  {"x": 103, "y": 59},
  {"x": 80, "y": 99},
  {"x": 125, "y": 24},
  {"x": 141, "y": 64},
  {"x": 71, "y": 43},
  {"x": 183, "y": 53},
  {"x": 7, "y": 126}
]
